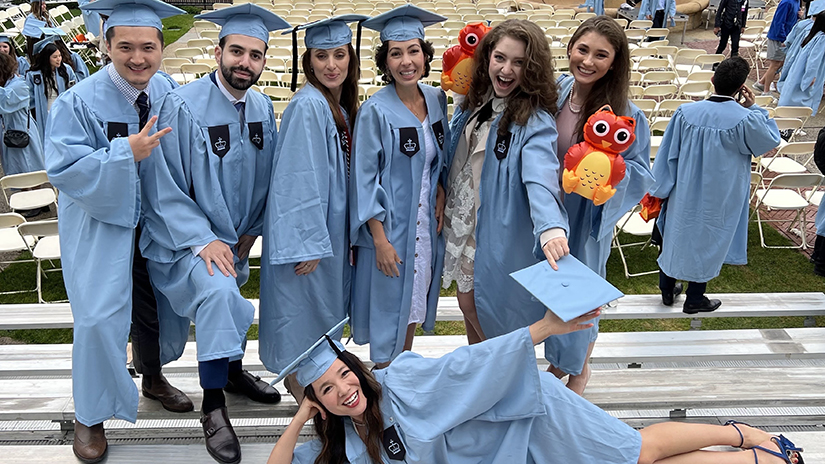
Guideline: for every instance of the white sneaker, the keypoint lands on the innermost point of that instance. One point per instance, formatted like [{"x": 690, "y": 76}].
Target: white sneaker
[
  {"x": 758, "y": 86},
  {"x": 773, "y": 87}
]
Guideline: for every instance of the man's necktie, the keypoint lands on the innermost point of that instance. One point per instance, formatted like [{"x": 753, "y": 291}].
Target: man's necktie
[
  {"x": 143, "y": 108},
  {"x": 240, "y": 107}
]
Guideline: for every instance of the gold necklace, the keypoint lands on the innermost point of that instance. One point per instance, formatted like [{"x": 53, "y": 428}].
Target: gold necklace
[{"x": 412, "y": 110}]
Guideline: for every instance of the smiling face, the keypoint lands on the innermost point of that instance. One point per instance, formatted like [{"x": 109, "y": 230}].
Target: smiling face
[
  {"x": 4, "y": 48},
  {"x": 241, "y": 59},
  {"x": 339, "y": 391},
  {"x": 330, "y": 66},
  {"x": 136, "y": 53},
  {"x": 591, "y": 57},
  {"x": 405, "y": 62},
  {"x": 507, "y": 61}
]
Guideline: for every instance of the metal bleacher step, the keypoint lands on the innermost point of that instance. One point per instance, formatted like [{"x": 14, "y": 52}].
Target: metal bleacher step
[
  {"x": 619, "y": 389},
  {"x": 59, "y": 315},
  {"x": 628, "y": 348},
  {"x": 195, "y": 453}
]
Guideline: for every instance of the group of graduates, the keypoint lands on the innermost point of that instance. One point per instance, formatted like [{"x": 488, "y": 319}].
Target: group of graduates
[
  {"x": 362, "y": 210},
  {"x": 31, "y": 83}
]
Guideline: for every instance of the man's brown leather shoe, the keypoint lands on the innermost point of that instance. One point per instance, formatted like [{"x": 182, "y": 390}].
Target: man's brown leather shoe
[
  {"x": 89, "y": 442},
  {"x": 156, "y": 387}
]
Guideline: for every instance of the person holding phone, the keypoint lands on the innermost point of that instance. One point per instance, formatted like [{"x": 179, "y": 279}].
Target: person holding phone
[{"x": 706, "y": 155}]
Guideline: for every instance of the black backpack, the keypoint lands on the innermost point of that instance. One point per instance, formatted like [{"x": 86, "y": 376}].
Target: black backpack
[{"x": 819, "y": 150}]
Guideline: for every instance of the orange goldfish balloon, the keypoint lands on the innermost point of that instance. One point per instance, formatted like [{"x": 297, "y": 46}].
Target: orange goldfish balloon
[
  {"x": 457, "y": 61},
  {"x": 594, "y": 167}
]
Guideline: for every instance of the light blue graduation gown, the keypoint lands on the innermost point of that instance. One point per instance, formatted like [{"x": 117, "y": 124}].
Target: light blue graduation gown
[
  {"x": 520, "y": 199},
  {"x": 793, "y": 43},
  {"x": 809, "y": 66},
  {"x": 90, "y": 162},
  {"x": 80, "y": 69},
  {"x": 704, "y": 158},
  {"x": 210, "y": 183},
  {"x": 488, "y": 404},
  {"x": 596, "y": 6},
  {"x": 306, "y": 219},
  {"x": 591, "y": 229},
  {"x": 14, "y": 111},
  {"x": 648, "y": 8},
  {"x": 32, "y": 27},
  {"x": 820, "y": 220},
  {"x": 23, "y": 65},
  {"x": 385, "y": 184},
  {"x": 38, "y": 100},
  {"x": 90, "y": 18}
]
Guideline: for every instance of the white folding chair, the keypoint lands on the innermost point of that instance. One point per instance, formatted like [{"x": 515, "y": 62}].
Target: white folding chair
[
  {"x": 783, "y": 163},
  {"x": 32, "y": 198},
  {"x": 12, "y": 242},
  {"x": 256, "y": 251},
  {"x": 784, "y": 194},
  {"x": 47, "y": 247},
  {"x": 633, "y": 224}
]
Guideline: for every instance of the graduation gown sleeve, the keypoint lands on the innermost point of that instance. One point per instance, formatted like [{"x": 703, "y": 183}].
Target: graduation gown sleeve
[
  {"x": 172, "y": 217},
  {"x": 299, "y": 221},
  {"x": 80, "y": 69},
  {"x": 95, "y": 178},
  {"x": 369, "y": 199}
]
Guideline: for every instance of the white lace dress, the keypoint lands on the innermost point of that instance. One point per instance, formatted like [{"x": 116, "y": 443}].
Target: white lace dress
[{"x": 423, "y": 265}]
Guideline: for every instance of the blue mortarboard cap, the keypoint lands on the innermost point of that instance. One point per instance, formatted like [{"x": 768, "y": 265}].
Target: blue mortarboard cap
[
  {"x": 5, "y": 38},
  {"x": 51, "y": 35},
  {"x": 403, "y": 23},
  {"x": 32, "y": 27},
  {"x": 133, "y": 12},
  {"x": 571, "y": 291},
  {"x": 246, "y": 19},
  {"x": 816, "y": 7},
  {"x": 312, "y": 363},
  {"x": 331, "y": 32}
]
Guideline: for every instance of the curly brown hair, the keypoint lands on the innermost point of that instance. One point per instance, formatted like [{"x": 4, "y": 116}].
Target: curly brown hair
[
  {"x": 383, "y": 51},
  {"x": 331, "y": 430},
  {"x": 614, "y": 87},
  {"x": 537, "y": 89}
]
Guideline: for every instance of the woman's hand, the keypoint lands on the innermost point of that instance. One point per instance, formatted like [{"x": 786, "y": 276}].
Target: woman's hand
[
  {"x": 554, "y": 249},
  {"x": 386, "y": 259},
  {"x": 551, "y": 324},
  {"x": 306, "y": 267},
  {"x": 307, "y": 410},
  {"x": 440, "y": 201}
]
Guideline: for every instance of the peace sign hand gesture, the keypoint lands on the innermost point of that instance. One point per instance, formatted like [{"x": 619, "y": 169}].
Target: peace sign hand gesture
[{"x": 142, "y": 143}]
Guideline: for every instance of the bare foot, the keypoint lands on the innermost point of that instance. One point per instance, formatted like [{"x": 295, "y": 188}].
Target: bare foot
[
  {"x": 766, "y": 458},
  {"x": 577, "y": 383}
]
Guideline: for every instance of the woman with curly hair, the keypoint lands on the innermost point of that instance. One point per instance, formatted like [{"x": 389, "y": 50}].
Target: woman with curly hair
[
  {"x": 487, "y": 403},
  {"x": 504, "y": 208},
  {"x": 600, "y": 75},
  {"x": 396, "y": 193}
]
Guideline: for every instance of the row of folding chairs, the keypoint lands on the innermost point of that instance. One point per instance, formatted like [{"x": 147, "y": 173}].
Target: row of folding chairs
[{"x": 39, "y": 238}]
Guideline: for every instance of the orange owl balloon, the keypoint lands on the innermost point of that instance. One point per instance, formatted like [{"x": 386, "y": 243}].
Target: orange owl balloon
[
  {"x": 457, "y": 61},
  {"x": 593, "y": 168}
]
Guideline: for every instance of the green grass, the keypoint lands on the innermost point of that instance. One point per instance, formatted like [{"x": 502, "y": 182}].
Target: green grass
[
  {"x": 768, "y": 270},
  {"x": 176, "y": 26}
]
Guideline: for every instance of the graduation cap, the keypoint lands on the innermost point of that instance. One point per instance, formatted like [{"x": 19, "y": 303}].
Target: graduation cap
[
  {"x": 6, "y": 38},
  {"x": 32, "y": 27},
  {"x": 315, "y": 361},
  {"x": 137, "y": 13},
  {"x": 816, "y": 7},
  {"x": 246, "y": 19},
  {"x": 403, "y": 23},
  {"x": 325, "y": 34},
  {"x": 571, "y": 291},
  {"x": 52, "y": 35}
]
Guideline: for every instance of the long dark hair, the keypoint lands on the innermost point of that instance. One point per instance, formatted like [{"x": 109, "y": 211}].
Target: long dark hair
[
  {"x": 613, "y": 88},
  {"x": 537, "y": 89},
  {"x": 65, "y": 53},
  {"x": 384, "y": 50},
  {"x": 349, "y": 88},
  {"x": 37, "y": 11},
  {"x": 331, "y": 431},
  {"x": 43, "y": 64},
  {"x": 818, "y": 26}
]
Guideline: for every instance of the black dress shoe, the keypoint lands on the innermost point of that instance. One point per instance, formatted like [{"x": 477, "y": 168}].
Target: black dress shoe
[
  {"x": 156, "y": 387},
  {"x": 252, "y": 387},
  {"x": 667, "y": 297},
  {"x": 89, "y": 443},
  {"x": 706, "y": 306},
  {"x": 221, "y": 441}
]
